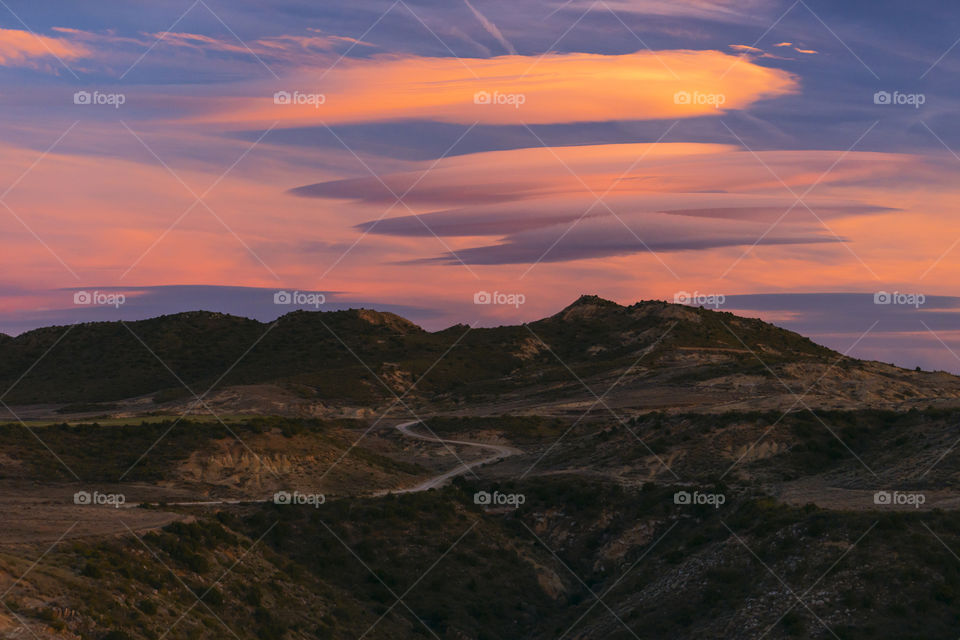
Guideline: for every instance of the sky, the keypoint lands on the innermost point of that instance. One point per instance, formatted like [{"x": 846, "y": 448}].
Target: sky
[{"x": 486, "y": 162}]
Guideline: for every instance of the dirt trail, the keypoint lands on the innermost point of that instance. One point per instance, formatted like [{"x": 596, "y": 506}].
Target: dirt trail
[{"x": 498, "y": 452}]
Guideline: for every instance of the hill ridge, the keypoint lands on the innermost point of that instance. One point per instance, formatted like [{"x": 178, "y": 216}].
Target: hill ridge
[{"x": 356, "y": 360}]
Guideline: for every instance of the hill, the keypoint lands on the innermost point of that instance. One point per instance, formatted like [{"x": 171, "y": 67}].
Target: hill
[{"x": 654, "y": 354}]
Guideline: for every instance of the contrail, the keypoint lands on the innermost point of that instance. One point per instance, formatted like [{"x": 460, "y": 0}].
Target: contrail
[{"x": 491, "y": 28}]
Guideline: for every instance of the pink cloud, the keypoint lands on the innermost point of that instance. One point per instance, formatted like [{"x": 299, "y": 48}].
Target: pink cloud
[{"x": 24, "y": 49}]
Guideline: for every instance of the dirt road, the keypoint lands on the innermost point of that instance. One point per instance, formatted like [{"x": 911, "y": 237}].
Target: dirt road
[{"x": 497, "y": 452}]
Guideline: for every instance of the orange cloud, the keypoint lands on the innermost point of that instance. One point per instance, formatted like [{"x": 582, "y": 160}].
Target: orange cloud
[
  {"x": 512, "y": 89},
  {"x": 684, "y": 170},
  {"x": 24, "y": 49}
]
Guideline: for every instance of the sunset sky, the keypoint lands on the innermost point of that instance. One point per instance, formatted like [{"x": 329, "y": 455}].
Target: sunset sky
[{"x": 793, "y": 158}]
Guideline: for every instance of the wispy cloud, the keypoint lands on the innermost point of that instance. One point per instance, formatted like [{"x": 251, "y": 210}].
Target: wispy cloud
[
  {"x": 745, "y": 48},
  {"x": 311, "y": 47},
  {"x": 491, "y": 28},
  {"x": 712, "y": 10},
  {"x": 24, "y": 49}
]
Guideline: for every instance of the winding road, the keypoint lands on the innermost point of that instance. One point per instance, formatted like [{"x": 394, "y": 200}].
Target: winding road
[{"x": 498, "y": 452}]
